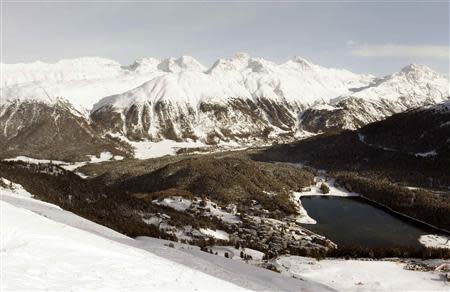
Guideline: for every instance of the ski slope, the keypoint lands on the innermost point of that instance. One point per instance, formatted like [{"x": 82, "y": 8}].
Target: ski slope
[
  {"x": 47, "y": 248},
  {"x": 42, "y": 254}
]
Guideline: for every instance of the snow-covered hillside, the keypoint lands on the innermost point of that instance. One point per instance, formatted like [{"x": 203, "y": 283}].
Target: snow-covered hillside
[
  {"x": 85, "y": 81},
  {"x": 413, "y": 86},
  {"x": 47, "y": 248},
  {"x": 360, "y": 275},
  {"x": 43, "y": 254},
  {"x": 242, "y": 76},
  {"x": 81, "y": 81},
  {"x": 243, "y": 99}
]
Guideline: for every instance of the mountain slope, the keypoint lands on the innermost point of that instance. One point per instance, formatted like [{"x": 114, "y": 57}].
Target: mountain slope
[
  {"x": 243, "y": 99},
  {"x": 413, "y": 86},
  {"x": 78, "y": 254},
  {"x": 401, "y": 162},
  {"x": 421, "y": 132},
  {"x": 240, "y": 100},
  {"x": 69, "y": 257},
  {"x": 81, "y": 81},
  {"x": 409, "y": 148},
  {"x": 53, "y": 130}
]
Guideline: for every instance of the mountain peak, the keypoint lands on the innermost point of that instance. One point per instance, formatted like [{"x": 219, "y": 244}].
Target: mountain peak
[
  {"x": 415, "y": 67},
  {"x": 418, "y": 72},
  {"x": 301, "y": 61},
  {"x": 144, "y": 65},
  {"x": 241, "y": 56},
  {"x": 183, "y": 63},
  {"x": 237, "y": 62}
]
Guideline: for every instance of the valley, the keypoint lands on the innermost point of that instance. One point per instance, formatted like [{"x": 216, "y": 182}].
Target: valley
[
  {"x": 235, "y": 229},
  {"x": 221, "y": 146},
  {"x": 286, "y": 169}
]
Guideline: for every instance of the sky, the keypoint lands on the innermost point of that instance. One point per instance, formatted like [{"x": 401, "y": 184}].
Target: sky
[{"x": 365, "y": 37}]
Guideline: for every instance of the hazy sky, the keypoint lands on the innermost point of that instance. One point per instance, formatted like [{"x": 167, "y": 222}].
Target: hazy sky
[{"x": 371, "y": 37}]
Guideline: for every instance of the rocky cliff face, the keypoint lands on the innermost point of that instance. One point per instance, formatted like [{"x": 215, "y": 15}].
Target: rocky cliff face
[{"x": 240, "y": 120}]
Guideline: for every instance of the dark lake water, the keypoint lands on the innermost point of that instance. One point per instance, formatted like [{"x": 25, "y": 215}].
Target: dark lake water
[{"x": 354, "y": 221}]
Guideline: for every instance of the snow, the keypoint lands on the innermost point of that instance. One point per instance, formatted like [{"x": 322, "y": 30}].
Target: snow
[
  {"x": 234, "y": 253},
  {"x": 433, "y": 240},
  {"x": 296, "y": 81},
  {"x": 314, "y": 190},
  {"x": 62, "y": 251},
  {"x": 147, "y": 149},
  {"x": 104, "y": 156},
  {"x": 48, "y": 248},
  {"x": 15, "y": 189},
  {"x": 183, "y": 84},
  {"x": 323, "y": 106},
  {"x": 34, "y": 160},
  {"x": 418, "y": 82},
  {"x": 71, "y": 166},
  {"x": 217, "y": 234},
  {"x": 177, "y": 203},
  {"x": 362, "y": 139},
  {"x": 183, "y": 63},
  {"x": 39, "y": 253},
  {"x": 210, "y": 209},
  {"x": 84, "y": 81},
  {"x": 221, "y": 214},
  {"x": 360, "y": 275},
  {"x": 427, "y": 154}
]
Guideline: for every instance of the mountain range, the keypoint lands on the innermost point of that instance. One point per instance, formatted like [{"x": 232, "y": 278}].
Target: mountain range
[{"x": 84, "y": 106}]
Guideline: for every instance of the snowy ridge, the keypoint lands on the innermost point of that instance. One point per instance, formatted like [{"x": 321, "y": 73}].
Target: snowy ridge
[
  {"x": 242, "y": 100},
  {"x": 85, "y": 81},
  {"x": 242, "y": 76},
  {"x": 418, "y": 82}
]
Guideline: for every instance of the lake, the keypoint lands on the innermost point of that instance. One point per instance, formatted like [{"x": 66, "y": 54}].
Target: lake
[{"x": 354, "y": 221}]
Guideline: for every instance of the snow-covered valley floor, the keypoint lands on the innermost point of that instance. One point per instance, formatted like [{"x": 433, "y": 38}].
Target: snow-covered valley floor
[
  {"x": 361, "y": 275},
  {"x": 44, "y": 247}
]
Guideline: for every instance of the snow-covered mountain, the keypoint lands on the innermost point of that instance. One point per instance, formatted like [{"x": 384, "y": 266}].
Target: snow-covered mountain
[
  {"x": 81, "y": 81},
  {"x": 242, "y": 99},
  {"x": 413, "y": 86}
]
